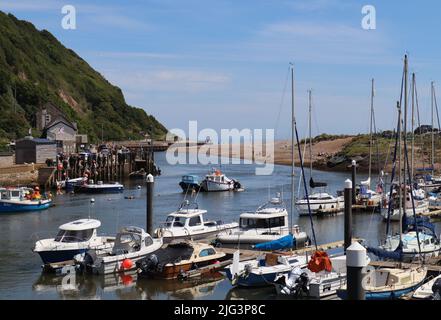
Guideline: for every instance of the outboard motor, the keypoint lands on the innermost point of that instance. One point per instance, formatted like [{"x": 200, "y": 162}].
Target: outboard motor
[
  {"x": 148, "y": 264},
  {"x": 237, "y": 185},
  {"x": 436, "y": 288}
]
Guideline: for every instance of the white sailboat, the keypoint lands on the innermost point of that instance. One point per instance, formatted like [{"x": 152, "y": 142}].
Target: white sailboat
[{"x": 318, "y": 201}]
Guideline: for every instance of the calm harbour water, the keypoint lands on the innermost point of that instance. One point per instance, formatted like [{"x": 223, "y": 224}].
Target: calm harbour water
[{"x": 20, "y": 268}]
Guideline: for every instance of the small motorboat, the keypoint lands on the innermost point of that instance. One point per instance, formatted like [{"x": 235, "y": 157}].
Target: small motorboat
[
  {"x": 73, "y": 238},
  {"x": 22, "y": 200},
  {"x": 188, "y": 223},
  {"x": 70, "y": 184},
  {"x": 264, "y": 270},
  {"x": 99, "y": 187},
  {"x": 189, "y": 183},
  {"x": 390, "y": 283},
  {"x": 131, "y": 245},
  {"x": 428, "y": 290},
  {"x": 140, "y": 174},
  {"x": 268, "y": 223},
  {"x": 216, "y": 181},
  {"x": 306, "y": 283},
  {"x": 176, "y": 258}
]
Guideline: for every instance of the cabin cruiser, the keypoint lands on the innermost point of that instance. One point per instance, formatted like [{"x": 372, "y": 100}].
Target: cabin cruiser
[
  {"x": 131, "y": 244},
  {"x": 176, "y": 258},
  {"x": 217, "y": 181},
  {"x": 319, "y": 202},
  {"x": 189, "y": 182},
  {"x": 264, "y": 270},
  {"x": 99, "y": 187},
  {"x": 22, "y": 200},
  {"x": 189, "y": 223},
  {"x": 269, "y": 222},
  {"x": 70, "y": 184},
  {"x": 73, "y": 238}
]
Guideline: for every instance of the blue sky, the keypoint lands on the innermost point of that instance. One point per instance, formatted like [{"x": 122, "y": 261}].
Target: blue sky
[{"x": 224, "y": 63}]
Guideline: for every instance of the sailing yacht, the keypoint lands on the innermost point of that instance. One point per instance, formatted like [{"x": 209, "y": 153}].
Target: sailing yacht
[
  {"x": 367, "y": 197},
  {"x": 421, "y": 205},
  {"x": 317, "y": 201}
]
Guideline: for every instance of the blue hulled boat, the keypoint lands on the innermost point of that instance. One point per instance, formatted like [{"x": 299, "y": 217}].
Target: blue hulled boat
[
  {"x": 22, "y": 200},
  {"x": 99, "y": 187}
]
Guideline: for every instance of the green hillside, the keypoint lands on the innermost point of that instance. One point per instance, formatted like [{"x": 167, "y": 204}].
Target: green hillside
[{"x": 36, "y": 68}]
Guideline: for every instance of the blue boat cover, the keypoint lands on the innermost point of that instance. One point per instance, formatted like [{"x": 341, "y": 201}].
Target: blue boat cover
[
  {"x": 381, "y": 253},
  {"x": 286, "y": 242}
]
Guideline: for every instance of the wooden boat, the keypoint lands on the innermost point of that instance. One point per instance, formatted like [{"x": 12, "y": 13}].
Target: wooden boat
[{"x": 173, "y": 260}]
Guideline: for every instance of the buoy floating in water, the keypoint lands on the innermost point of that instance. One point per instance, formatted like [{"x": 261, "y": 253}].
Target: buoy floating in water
[
  {"x": 139, "y": 187},
  {"x": 92, "y": 200}
]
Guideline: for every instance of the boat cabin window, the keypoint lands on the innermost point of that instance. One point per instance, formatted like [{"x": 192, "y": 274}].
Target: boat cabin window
[
  {"x": 195, "y": 221},
  {"x": 148, "y": 241},
  {"x": 175, "y": 221},
  {"x": 262, "y": 223},
  {"x": 207, "y": 252},
  {"x": 127, "y": 242},
  {"x": 15, "y": 194},
  {"x": 74, "y": 235},
  {"x": 3, "y": 194}
]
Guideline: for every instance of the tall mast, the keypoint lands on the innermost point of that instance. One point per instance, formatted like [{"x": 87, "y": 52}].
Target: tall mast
[
  {"x": 405, "y": 117},
  {"x": 310, "y": 133},
  {"x": 292, "y": 143},
  {"x": 433, "y": 137},
  {"x": 400, "y": 185},
  {"x": 412, "y": 156},
  {"x": 370, "y": 133}
]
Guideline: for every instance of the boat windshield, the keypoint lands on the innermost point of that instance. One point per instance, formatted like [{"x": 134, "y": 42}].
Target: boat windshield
[
  {"x": 127, "y": 242},
  {"x": 74, "y": 236},
  {"x": 175, "y": 221},
  {"x": 252, "y": 223}
]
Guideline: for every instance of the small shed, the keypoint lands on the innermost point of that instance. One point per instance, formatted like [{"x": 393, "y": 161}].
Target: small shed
[{"x": 29, "y": 150}]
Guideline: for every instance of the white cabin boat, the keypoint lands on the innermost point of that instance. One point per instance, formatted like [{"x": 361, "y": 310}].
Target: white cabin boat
[
  {"x": 268, "y": 223},
  {"x": 189, "y": 224},
  {"x": 320, "y": 202},
  {"x": 131, "y": 244},
  {"x": 217, "y": 181},
  {"x": 76, "y": 237}
]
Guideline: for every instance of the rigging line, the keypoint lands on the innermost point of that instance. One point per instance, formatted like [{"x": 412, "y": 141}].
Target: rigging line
[
  {"x": 406, "y": 156},
  {"x": 304, "y": 152},
  {"x": 282, "y": 99},
  {"x": 304, "y": 185},
  {"x": 419, "y": 126}
]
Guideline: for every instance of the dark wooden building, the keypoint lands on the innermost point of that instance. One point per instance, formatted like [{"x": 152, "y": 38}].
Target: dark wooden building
[{"x": 29, "y": 150}]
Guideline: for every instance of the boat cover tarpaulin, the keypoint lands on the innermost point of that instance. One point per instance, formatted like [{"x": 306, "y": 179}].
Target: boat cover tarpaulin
[
  {"x": 286, "y": 242},
  {"x": 385, "y": 254}
]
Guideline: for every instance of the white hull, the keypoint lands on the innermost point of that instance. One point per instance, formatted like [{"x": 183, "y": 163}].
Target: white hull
[
  {"x": 170, "y": 234},
  {"x": 212, "y": 186},
  {"x": 319, "y": 205},
  {"x": 395, "y": 214},
  {"x": 252, "y": 237}
]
